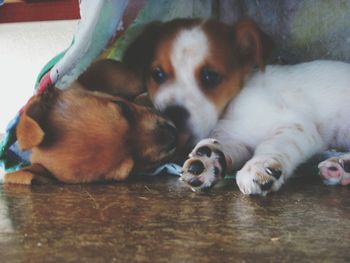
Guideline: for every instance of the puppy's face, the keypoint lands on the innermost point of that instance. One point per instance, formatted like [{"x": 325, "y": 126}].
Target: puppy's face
[
  {"x": 194, "y": 68},
  {"x": 81, "y": 136}
]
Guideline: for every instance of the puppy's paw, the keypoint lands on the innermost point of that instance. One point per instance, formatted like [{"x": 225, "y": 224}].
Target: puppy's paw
[
  {"x": 336, "y": 170},
  {"x": 206, "y": 165},
  {"x": 260, "y": 176},
  {"x": 19, "y": 177}
]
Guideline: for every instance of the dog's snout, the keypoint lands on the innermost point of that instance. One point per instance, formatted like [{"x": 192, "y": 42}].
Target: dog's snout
[{"x": 179, "y": 115}]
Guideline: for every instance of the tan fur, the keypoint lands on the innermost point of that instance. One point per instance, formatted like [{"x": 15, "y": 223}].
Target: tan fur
[
  {"x": 161, "y": 60},
  {"x": 111, "y": 77},
  {"x": 19, "y": 177},
  {"x": 84, "y": 136},
  {"x": 30, "y": 174},
  {"x": 30, "y": 132}
]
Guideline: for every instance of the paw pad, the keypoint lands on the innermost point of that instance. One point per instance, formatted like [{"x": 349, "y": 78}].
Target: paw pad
[
  {"x": 204, "y": 151},
  {"x": 195, "y": 182},
  {"x": 335, "y": 170},
  {"x": 345, "y": 164},
  {"x": 205, "y": 166},
  {"x": 196, "y": 167},
  {"x": 265, "y": 186}
]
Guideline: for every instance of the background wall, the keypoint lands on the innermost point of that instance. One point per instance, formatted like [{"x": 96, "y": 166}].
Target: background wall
[
  {"x": 302, "y": 30},
  {"x": 24, "y": 49}
]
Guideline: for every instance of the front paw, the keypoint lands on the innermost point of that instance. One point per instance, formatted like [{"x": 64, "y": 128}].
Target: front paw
[
  {"x": 336, "y": 170},
  {"x": 206, "y": 165},
  {"x": 260, "y": 176}
]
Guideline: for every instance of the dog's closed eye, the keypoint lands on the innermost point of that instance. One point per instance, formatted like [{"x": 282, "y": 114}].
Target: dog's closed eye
[{"x": 126, "y": 111}]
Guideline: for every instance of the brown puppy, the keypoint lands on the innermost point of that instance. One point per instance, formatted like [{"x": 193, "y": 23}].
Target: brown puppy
[{"x": 77, "y": 136}]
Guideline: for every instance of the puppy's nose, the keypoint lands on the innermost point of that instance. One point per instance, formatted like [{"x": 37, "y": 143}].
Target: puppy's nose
[
  {"x": 167, "y": 135},
  {"x": 179, "y": 115}
]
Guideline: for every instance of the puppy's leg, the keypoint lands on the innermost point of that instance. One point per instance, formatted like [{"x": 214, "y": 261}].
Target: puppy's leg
[
  {"x": 122, "y": 171},
  {"x": 276, "y": 158},
  {"x": 211, "y": 158},
  {"x": 336, "y": 170},
  {"x": 28, "y": 175}
]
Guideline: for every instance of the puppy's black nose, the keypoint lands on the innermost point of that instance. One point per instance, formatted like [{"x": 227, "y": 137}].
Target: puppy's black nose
[
  {"x": 167, "y": 135},
  {"x": 179, "y": 115}
]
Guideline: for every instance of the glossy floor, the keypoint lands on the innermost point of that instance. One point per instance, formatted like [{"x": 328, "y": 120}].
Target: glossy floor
[{"x": 160, "y": 220}]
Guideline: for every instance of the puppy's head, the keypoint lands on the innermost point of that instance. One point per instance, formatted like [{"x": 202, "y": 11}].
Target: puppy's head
[
  {"x": 82, "y": 136},
  {"x": 193, "y": 68}
]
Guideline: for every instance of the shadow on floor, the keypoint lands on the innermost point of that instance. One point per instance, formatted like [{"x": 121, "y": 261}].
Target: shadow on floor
[{"x": 160, "y": 220}]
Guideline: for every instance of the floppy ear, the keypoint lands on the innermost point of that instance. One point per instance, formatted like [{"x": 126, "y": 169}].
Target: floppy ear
[
  {"x": 29, "y": 133},
  {"x": 140, "y": 51},
  {"x": 30, "y": 130},
  {"x": 253, "y": 45}
]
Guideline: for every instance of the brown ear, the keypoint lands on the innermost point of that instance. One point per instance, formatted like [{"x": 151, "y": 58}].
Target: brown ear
[
  {"x": 29, "y": 133},
  {"x": 30, "y": 130},
  {"x": 140, "y": 51},
  {"x": 253, "y": 45}
]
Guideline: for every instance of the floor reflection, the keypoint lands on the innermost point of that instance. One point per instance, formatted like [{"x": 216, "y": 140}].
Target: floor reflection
[{"x": 161, "y": 220}]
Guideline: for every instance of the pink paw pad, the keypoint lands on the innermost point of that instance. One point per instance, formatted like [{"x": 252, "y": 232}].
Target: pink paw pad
[{"x": 335, "y": 171}]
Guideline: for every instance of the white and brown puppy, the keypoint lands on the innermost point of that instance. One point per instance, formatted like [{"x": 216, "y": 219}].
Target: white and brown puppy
[
  {"x": 265, "y": 123},
  {"x": 193, "y": 68}
]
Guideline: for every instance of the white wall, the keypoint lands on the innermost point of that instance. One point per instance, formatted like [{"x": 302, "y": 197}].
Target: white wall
[{"x": 24, "y": 49}]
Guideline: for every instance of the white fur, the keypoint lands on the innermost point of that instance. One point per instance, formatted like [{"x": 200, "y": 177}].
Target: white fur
[
  {"x": 281, "y": 117},
  {"x": 189, "y": 50},
  {"x": 284, "y": 116}
]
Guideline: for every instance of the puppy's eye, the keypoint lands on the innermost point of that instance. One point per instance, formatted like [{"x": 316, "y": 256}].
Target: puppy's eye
[
  {"x": 127, "y": 112},
  {"x": 210, "y": 78},
  {"x": 158, "y": 75}
]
